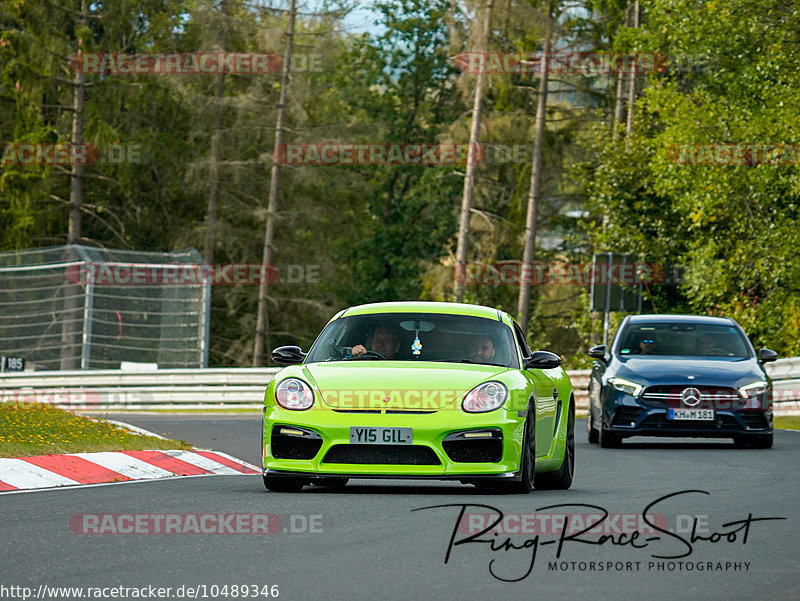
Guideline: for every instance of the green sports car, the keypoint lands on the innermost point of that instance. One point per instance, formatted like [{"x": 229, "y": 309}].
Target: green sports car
[{"x": 420, "y": 390}]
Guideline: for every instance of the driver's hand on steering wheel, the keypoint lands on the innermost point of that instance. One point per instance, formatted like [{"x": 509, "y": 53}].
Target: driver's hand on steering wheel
[{"x": 359, "y": 350}]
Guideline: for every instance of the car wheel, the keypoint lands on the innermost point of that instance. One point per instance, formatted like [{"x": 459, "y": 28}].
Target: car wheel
[
  {"x": 283, "y": 484},
  {"x": 762, "y": 441},
  {"x": 561, "y": 479},
  {"x": 592, "y": 435},
  {"x": 333, "y": 481},
  {"x": 608, "y": 440},
  {"x": 527, "y": 459}
]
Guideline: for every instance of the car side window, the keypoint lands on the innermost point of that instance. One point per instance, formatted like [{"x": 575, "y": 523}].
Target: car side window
[{"x": 526, "y": 352}]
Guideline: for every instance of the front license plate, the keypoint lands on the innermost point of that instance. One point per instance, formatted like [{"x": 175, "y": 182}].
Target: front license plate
[
  {"x": 380, "y": 435},
  {"x": 699, "y": 414}
]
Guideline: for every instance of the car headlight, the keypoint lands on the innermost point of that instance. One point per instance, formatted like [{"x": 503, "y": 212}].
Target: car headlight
[
  {"x": 626, "y": 386},
  {"x": 295, "y": 394},
  {"x": 485, "y": 397},
  {"x": 751, "y": 390}
]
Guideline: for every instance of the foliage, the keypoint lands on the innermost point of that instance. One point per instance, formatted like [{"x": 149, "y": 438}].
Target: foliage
[{"x": 387, "y": 232}]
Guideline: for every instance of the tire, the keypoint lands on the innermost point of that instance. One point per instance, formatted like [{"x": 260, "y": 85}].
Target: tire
[
  {"x": 527, "y": 459},
  {"x": 333, "y": 481},
  {"x": 762, "y": 441},
  {"x": 561, "y": 479},
  {"x": 283, "y": 484},
  {"x": 592, "y": 435},
  {"x": 609, "y": 440}
]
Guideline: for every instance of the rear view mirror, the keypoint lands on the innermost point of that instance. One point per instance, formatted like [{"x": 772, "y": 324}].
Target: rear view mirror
[
  {"x": 542, "y": 360},
  {"x": 766, "y": 355},
  {"x": 410, "y": 325},
  {"x": 288, "y": 355},
  {"x": 598, "y": 352}
]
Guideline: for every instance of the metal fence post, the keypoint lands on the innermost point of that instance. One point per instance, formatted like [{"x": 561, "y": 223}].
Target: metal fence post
[
  {"x": 205, "y": 323},
  {"x": 88, "y": 305}
]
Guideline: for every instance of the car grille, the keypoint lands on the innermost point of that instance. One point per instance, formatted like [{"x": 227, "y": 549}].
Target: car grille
[
  {"x": 710, "y": 397},
  {"x": 294, "y": 447},
  {"x": 389, "y": 454},
  {"x": 660, "y": 420},
  {"x": 387, "y": 411},
  {"x": 474, "y": 451},
  {"x": 755, "y": 420},
  {"x": 626, "y": 416}
]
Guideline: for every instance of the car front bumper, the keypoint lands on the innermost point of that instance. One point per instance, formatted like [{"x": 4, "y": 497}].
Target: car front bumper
[
  {"x": 627, "y": 416},
  {"x": 336, "y": 456}
]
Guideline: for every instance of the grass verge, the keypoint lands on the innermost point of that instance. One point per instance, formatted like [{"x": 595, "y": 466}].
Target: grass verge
[
  {"x": 39, "y": 429},
  {"x": 787, "y": 422}
]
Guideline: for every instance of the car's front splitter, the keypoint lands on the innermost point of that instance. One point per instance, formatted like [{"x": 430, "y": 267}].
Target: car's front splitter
[
  {"x": 727, "y": 424},
  {"x": 322, "y": 476}
]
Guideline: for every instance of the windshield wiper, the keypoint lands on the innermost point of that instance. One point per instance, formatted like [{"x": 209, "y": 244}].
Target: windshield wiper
[{"x": 469, "y": 361}]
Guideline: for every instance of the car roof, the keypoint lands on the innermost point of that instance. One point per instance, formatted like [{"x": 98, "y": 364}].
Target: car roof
[
  {"x": 426, "y": 307},
  {"x": 705, "y": 319}
]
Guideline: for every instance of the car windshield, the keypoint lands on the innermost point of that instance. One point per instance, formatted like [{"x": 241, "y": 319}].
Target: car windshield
[
  {"x": 710, "y": 340},
  {"x": 416, "y": 337}
]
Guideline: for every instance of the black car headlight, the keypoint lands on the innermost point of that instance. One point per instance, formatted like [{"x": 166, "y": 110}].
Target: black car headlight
[{"x": 752, "y": 390}]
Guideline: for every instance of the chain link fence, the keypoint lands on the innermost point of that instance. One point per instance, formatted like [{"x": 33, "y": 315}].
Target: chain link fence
[{"x": 71, "y": 307}]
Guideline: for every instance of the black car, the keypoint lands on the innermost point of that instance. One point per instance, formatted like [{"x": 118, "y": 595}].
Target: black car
[{"x": 680, "y": 375}]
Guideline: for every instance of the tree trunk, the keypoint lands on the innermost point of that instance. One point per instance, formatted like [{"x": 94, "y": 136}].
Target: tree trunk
[
  {"x": 535, "y": 185},
  {"x": 213, "y": 173},
  {"x": 272, "y": 204},
  {"x": 472, "y": 158},
  {"x": 70, "y": 326},
  {"x": 631, "y": 86},
  {"x": 619, "y": 105},
  {"x": 214, "y": 158}
]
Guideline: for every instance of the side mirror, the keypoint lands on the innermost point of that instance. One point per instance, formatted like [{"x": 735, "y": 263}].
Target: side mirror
[
  {"x": 541, "y": 360},
  {"x": 766, "y": 355},
  {"x": 598, "y": 352},
  {"x": 288, "y": 355}
]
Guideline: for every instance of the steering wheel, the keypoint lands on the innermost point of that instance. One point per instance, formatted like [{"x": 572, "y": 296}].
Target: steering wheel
[
  {"x": 371, "y": 353},
  {"x": 713, "y": 351}
]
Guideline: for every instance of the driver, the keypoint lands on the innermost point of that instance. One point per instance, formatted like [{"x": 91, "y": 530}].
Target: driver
[
  {"x": 384, "y": 341},
  {"x": 481, "y": 349},
  {"x": 648, "y": 345}
]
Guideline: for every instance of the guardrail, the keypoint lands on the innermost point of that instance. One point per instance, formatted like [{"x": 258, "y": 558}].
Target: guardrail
[
  {"x": 157, "y": 389},
  {"x": 241, "y": 387}
]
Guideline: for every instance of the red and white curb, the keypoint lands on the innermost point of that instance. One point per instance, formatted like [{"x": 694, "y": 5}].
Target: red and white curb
[{"x": 46, "y": 471}]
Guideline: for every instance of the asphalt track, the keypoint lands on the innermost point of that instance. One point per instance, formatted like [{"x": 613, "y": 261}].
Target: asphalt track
[{"x": 371, "y": 545}]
